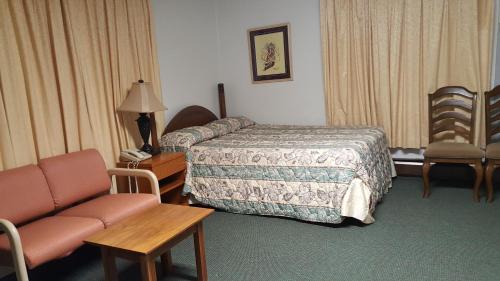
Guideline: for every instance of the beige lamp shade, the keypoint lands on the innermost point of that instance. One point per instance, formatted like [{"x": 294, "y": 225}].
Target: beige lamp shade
[{"x": 141, "y": 99}]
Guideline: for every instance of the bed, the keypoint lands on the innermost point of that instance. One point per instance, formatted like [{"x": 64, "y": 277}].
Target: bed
[{"x": 310, "y": 173}]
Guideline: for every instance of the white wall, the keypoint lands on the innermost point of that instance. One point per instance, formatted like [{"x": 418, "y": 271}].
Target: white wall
[
  {"x": 203, "y": 42},
  {"x": 300, "y": 101},
  {"x": 186, "y": 35}
]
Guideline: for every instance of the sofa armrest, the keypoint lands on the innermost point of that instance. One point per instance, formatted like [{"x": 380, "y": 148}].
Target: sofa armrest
[
  {"x": 16, "y": 249},
  {"x": 150, "y": 176}
]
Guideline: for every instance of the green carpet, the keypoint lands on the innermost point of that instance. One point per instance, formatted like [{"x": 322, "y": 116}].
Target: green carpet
[{"x": 444, "y": 237}]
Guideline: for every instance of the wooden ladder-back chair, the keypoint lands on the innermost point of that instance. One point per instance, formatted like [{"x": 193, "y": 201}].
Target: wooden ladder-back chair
[
  {"x": 452, "y": 114},
  {"x": 492, "y": 111}
]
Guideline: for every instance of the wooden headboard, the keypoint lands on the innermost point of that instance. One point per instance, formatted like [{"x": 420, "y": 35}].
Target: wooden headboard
[{"x": 196, "y": 115}]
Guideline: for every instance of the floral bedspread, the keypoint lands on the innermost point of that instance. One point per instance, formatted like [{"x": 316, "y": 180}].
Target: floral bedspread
[{"x": 309, "y": 173}]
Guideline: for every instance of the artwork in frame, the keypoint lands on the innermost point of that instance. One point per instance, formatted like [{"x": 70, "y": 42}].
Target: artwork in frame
[{"x": 270, "y": 53}]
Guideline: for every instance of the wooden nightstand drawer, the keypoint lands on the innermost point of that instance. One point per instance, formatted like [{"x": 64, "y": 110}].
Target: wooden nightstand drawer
[{"x": 169, "y": 168}]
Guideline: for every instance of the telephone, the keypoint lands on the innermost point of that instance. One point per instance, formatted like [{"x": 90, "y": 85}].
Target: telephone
[{"x": 134, "y": 154}]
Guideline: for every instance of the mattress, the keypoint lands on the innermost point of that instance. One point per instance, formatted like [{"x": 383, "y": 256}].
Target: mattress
[{"x": 310, "y": 173}]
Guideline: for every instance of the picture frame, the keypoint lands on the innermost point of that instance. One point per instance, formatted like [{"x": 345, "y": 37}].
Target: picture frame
[{"x": 270, "y": 55}]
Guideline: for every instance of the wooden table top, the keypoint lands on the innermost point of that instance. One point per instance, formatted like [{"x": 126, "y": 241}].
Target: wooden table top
[
  {"x": 145, "y": 232},
  {"x": 158, "y": 159}
]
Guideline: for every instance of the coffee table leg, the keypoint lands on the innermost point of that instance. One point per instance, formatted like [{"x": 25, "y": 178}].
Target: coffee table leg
[
  {"x": 199, "y": 247},
  {"x": 166, "y": 261},
  {"x": 108, "y": 262},
  {"x": 148, "y": 268}
]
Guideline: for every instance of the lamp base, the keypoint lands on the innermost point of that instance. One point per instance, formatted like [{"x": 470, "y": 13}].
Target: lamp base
[
  {"x": 147, "y": 148},
  {"x": 145, "y": 129},
  {"x": 155, "y": 151}
]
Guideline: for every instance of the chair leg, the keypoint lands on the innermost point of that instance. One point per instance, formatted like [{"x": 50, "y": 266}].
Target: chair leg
[
  {"x": 425, "y": 174},
  {"x": 490, "y": 168},
  {"x": 478, "y": 167}
]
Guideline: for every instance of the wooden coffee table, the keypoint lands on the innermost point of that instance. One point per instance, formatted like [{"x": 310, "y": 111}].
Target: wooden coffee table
[{"x": 150, "y": 234}]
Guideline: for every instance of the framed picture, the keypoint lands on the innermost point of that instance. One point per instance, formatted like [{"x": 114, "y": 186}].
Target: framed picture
[{"x": 270, "y": 53}]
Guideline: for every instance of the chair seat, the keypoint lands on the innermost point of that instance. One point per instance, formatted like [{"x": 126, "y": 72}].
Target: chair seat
[
  {"x": 493, "y": 151},
  {"x": 453, "y": 150},
  {"x": 63, "y": 234},
  {"x": 112, "y": 208}
]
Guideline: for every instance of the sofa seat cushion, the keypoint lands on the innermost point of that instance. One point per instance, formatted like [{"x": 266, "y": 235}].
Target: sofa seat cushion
[
  {"x": 453, "y": 150},
  {"x": 112, "y": 208},
  {"x": 51, "y": 238}
]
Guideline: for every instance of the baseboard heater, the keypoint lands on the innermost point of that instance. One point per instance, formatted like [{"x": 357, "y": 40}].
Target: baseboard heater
[{"x": 408, "y": 167}]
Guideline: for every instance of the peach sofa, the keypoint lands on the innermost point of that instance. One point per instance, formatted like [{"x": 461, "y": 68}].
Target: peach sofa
[{"x": 47, "y": 210}]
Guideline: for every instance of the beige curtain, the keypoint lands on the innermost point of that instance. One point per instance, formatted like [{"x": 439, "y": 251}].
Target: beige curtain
[
  {"x": 65, "y": 66},
  {"x": 382, "y": 57}
]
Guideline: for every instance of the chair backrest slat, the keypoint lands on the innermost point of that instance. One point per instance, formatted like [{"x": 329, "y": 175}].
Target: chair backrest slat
[
  {"x": 455, "y": 116},
  {"x": 494, "y": 121},
  {"x": 495, "y": 131},
  {"x": 455, "y": 91},
  {"x": 452, "y": 110},
  {"x": 457, "y": 130},
  {"x": 452, "y": 104},
  {"x": 492, "y": 112},
  {"x": 496, "y": 104}
]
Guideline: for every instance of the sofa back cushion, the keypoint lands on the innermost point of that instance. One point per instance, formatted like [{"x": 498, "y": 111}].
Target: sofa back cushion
[
  {"x": 24, "y": 194},
  {"x": 75, "y": 176}
]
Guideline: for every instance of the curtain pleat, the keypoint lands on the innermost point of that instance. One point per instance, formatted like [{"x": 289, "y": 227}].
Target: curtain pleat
[
  {"x": 381, "y": 58},
  {"x": 65, "y": 66}
]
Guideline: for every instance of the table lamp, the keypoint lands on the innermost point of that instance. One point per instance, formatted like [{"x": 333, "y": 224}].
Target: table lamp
[{"x": 142, "y": 100}]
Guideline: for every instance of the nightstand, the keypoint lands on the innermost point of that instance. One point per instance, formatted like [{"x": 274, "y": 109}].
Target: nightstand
[{"x": 169, "y": 168}]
